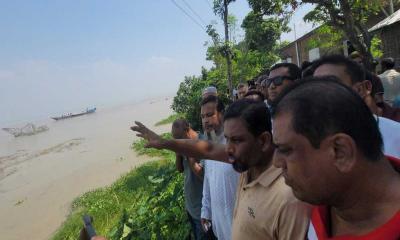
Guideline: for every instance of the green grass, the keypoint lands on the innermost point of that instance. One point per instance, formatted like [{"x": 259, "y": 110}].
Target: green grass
[
  {"x": 169, "y": 119},
  {"x": 146, "y": 203}
]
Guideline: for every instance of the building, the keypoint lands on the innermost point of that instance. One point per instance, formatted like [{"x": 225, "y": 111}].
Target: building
[
  {"x": 387, "y": 28},
  {"x": 297, "y": 51},
  {"x": 388, "y": 31}
]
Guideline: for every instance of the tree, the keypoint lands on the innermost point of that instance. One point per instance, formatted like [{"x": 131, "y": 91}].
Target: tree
[
  {"x": 327, "y": 39},
  {"x": 232, "y": 25},
  {"x": 221, "y": 8},
  {"x": 245, "y": 62},
  {"x": 349, "y": 16},
  {"x": 188, "y": 97},
  {"x": 263, "y": 33}
]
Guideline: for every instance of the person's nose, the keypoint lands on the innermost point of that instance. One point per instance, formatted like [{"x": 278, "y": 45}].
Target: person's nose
[
  {"x": 272, "y": 85},
  {"x": 278, "y": 161},
  {"x": 229, "y": 149}
]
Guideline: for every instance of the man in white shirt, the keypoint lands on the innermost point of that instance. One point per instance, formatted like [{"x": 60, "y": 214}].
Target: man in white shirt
[
  {"x": 390, "y": 80},
  {"x": 220, "y": 179}
]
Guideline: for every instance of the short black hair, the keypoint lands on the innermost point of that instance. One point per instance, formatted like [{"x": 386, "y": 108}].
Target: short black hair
[
  {"x": 323, "y": 106},
  {"x": 255, "y": 92},
  {"x": 255, "y": 114},
  {"x": 183, "y": 123},
  {"x": 293, "y": 69},
  {"x": 355, "y": 70},
  {"x": 214, "y": 99},
  {"x": 388, "y": 63}
]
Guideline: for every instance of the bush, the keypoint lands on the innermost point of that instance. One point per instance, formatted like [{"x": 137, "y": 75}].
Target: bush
[
  {"x": 188, "y": 98},
  {"x": 169, "y": 119},
  {"x": 146, "y": 203}
]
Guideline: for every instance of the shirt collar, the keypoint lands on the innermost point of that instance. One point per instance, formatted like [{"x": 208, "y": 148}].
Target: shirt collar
[{"x": 266, "y": 179}]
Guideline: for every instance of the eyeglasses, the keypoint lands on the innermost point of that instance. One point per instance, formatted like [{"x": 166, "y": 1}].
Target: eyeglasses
[{"x": 276, "y": 80}]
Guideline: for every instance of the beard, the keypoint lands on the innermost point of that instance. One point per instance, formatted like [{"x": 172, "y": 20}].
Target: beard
[
  {"x": 213, "y": 136},
  {"x": 239, "y": 167}
]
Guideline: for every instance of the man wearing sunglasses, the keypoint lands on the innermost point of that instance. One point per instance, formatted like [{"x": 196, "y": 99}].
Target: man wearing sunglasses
[{"x": 281, "y": 75}]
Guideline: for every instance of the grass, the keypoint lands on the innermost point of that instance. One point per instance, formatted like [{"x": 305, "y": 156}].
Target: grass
[
  {"x": 169, "y": 119},
  {"x": 146, "y": 203}
]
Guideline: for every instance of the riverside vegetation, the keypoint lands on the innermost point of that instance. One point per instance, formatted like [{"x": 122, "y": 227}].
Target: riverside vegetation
[{"x": 146, "y": 203}]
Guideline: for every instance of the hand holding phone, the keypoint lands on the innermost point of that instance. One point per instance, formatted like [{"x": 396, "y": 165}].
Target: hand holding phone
[{"x": 206, "y": 224}]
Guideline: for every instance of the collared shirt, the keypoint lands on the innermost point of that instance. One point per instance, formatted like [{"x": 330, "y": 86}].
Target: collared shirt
[
  {"x": 320, "y": 223},
  {"x": 267, "y": 209},
  {"x": 219, "y": 191}
]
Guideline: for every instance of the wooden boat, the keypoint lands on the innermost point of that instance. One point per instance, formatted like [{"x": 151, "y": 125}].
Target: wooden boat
[{"x": 70, "y": 115}]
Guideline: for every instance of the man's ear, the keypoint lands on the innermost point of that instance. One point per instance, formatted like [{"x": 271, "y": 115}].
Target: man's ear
[
  {"x": 364, "y": 88},
  {"x": 344, "y": 152},
  {"x": 265, "y": 140},
  {"x": 368, "y": 86}
]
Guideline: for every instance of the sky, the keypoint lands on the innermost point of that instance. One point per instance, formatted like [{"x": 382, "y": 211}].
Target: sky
[{"x": 59, "y": 56}]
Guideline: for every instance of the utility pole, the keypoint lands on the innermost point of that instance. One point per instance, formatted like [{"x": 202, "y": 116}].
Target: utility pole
[
  {"x": 295, "y": 43},
  {"x": 391, "y": 7},
  {"x": 227, "y": 50}
]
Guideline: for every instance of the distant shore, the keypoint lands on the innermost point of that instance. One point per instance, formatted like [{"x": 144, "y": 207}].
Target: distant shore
[{"x": 41, "y": 175}]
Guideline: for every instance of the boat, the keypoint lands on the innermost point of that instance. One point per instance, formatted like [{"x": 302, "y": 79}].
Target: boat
[
  {"x": 28, "y": 130},
  {"x": 70, "y": 115}
]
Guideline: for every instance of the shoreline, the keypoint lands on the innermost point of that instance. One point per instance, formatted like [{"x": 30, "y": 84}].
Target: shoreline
[
  {"x": 37, "y": 196},
  {"x": 105, "y": 107}
]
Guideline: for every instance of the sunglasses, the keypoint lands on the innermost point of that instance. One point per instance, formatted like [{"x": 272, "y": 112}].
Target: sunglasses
[{"x": 277, "y": 80}]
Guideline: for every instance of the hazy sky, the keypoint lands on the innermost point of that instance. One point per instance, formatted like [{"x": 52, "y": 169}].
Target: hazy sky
[{"x": 63, "y": 56}]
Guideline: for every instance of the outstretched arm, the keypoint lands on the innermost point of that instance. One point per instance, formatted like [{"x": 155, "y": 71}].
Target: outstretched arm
[{"x": 199, "y": 149}]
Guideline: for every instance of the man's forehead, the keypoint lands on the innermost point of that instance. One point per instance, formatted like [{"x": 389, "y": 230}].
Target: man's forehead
[
  {"x": 338, "y": 71},
  {"x": 210, "y": 106},
  {"x": 176, "y": 127},
  {"x": 281, "y": 71},
  {"x": 235, "y": 126}
]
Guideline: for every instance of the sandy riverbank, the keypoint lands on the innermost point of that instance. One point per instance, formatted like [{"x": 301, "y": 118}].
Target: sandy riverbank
[{"x": 40, "y": 175}]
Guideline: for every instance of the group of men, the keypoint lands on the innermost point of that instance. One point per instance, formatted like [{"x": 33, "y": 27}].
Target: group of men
[{"x": 313, "y": 157}]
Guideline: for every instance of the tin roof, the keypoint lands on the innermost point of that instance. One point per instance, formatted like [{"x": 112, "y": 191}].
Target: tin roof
[{"x": 395, "y": 17}]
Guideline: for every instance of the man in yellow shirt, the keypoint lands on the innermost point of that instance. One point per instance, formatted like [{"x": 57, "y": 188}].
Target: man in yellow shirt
[{"x": 265, "y": 207}]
